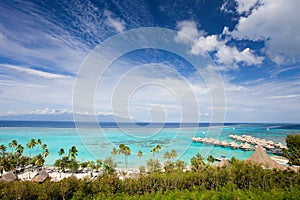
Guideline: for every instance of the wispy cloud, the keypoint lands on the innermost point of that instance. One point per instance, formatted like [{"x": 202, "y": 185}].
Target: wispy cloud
[
  {"x": 34, "y": 71},
  {"x": 284, "y": 96},
  {"x": 116, "y": 23}
]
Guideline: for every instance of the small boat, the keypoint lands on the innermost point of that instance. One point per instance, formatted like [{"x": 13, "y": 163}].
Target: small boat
[{"x": 221, "y": 158}]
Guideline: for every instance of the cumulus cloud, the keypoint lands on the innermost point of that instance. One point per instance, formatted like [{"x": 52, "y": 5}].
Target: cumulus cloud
[
  {"x": 245, "y": 6},
  {"x": 226, "y": 55},
  {"x": 275, "y": 22},
  {"x": 116, "y": 23}
]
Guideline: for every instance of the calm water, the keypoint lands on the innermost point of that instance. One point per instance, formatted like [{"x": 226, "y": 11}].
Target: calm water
[{"x": 93, "y": 143}]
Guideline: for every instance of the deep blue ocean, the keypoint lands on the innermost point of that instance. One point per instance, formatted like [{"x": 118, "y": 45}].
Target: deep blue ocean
[{"x": 96, "y": 141}]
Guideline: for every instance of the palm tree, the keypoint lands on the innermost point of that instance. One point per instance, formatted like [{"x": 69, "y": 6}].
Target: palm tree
[
  {"x": 114, "y": 151},
  {"x": 30, "y": 145},
  {"x": 155, "y": 150},
  {"x": 3, "y": 152},
  {"x": 39, "y": 160},
  {"x": 19, "y": 151},
  {"x": 38, "y": 142},
  {"x": 13, "y": 145},
  {"x": 123, "y": 149},
  {"x": 173, "y": 154},
  {"x": 140, "y": 154},
  {"x": 73, "y": 152},
  {"x": 60, "y": 153},
  {"x": 99, "y": 164},
  {"x": 45, "y": 153}
]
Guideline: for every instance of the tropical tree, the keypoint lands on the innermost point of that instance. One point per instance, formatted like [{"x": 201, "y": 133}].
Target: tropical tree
[
  {"x": 98, "y": 164},
  {"x": 109, "y": 165},
  {"x": 197, "y": 162},
  {"x": 13, "y": 144},
  {"x": 92, "y": 166},
  {"x": 210, "y": 159},
  {"x": 61, "y": 152},
  {"x": 155, "y": 150},
  {"x": 114, "y": 152},
  {"x": 30, "y": 145},
  {"x": 45, "y": 153},
  {"x": 19, "y": 152},
  {"x": 73, "y": 152},
  {"x": 39, "y": 160},
  {"x": 293, "y": 152},
  {"x": 140, "y": 154},
  {"x": 123, "y": 149},
  {"x": 153, "y": 165},
  {"x": 38, "y": 142},
  {"x": 173, "y": 154},
  {"x": 3, "y": 152}
]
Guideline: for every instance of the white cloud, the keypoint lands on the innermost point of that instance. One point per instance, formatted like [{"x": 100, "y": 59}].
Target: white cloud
[
  {"x": 277, "y": 23},
  {"x": 205, "y": 44},
  {"x": 116, "y": 23},
  {"x": 34, "y": 72},
  {"x": 188, "y": 29},
  {"x": 228, "y": 56},
  {"x": 231, "y": 56},
  {"x": 244, "y": 6}
]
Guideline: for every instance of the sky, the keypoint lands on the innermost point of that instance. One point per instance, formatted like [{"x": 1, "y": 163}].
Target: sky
[{"x": 254, "y": 46}]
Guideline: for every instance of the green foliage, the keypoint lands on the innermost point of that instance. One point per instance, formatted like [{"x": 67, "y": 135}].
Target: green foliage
[
  {"x": 293, "y": 152},
  {"x": 197, "y": 162},
  {"x": 153, "y": 165},
  {"x": 109, "y": 166}
]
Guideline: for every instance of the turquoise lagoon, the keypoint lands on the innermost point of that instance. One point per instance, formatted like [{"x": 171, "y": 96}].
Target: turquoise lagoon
[{"x": 97, "y": 143}]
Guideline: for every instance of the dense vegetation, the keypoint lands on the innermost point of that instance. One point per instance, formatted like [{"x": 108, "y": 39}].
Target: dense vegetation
[
  {"x": 293, "y": 152},
  {"x": 240, "y": 179},
  {"x": 237, "y": 180},
  {"x": 13, "y": 158}
]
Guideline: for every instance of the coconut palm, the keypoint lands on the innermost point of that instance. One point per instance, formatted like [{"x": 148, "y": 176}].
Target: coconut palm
[
  {"x": 98, "y": 164},
  {"x": 155, "y": 150},
  {"x": 114, "y": 151},
  {"x": 13, "y": 144},
  {"x": 3, "y": 150},
  {"x": 73, "y": 152},
  {"x": 173, "y": 154},
  {"x": 38, "y": 142},
  {"x": 123, "y": 149},
  {"x": 60, "y": 153},
  {"x": 30, "y": 145},
  {"x": 140, "y": 154},
  {"x": 19, "y": 151}
]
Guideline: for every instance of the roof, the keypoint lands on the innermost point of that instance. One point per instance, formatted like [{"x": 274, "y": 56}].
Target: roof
[
  {"x": 41, "y": 176},
  {"x": 9, "y": 177},
  {"x": 223, "y": 163},
  {"x": 261, "y": 157}
]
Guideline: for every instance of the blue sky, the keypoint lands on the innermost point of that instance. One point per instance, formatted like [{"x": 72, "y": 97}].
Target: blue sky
[{"x": 254, "y": 44}]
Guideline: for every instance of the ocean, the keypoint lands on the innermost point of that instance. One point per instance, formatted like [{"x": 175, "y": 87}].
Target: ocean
[{"x": 96, "y": 142}]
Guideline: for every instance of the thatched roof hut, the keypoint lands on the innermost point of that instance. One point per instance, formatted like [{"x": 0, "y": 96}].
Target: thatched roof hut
[
  {"x": 9, "y": 177},
  {"x": 223, "y": 163},
  {"x": 41, "y": 176},
  {"x": 261, "y": 157}
]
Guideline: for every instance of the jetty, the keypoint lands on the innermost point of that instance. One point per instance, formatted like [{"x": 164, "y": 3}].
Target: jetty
[{"x": 248, "y": 143}]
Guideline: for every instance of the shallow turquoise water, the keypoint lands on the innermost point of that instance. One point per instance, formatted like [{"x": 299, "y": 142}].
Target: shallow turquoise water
[{"x": 92, "y": 144}]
